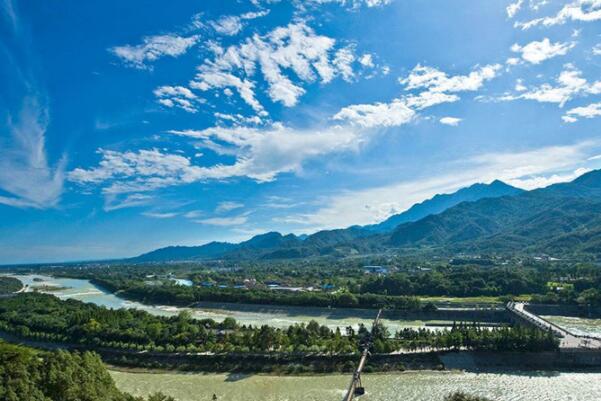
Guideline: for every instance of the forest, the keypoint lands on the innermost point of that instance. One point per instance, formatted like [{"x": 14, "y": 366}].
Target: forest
[
  {"x": 8, "y": 285},
  {"x": 346, "y": 283},
  {"x": 182, "y": 295},
  {"x": 31, "y": 375}
]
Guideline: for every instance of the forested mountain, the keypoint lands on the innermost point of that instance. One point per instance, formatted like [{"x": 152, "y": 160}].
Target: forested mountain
[
  {"x": 440, "y": 203},
  {"x": 207, "y": 251},
  {"x": 560, "y": 219}
]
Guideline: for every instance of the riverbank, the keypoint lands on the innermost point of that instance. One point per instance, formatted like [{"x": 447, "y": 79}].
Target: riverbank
[{"x": 310, "y": 363}]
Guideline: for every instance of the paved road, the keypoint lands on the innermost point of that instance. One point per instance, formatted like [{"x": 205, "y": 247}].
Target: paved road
[{"x": 568, "y": 340}]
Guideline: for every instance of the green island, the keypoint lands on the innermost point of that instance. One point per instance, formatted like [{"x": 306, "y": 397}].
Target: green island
[
  {"x": 46, "y": 318},
  {"x": 9, "y": 285}
]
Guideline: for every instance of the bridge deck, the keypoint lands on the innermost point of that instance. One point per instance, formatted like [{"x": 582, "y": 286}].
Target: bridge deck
[{"x": 568, "y": 340}]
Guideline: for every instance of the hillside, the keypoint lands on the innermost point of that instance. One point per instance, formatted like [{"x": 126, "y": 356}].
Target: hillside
[
  {"x": 495, "y": 218},
  {"x": 440, "y": 203},
  {"x": 562, "y": 218}
]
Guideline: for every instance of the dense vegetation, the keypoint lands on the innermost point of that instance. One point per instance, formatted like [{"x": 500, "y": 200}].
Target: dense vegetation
[
  {"x": 474, "y": 337},
  {"x": 44, "y": 317},
  {"x": 8, "y": 285},
  {"x": 182, "y": 295},
  {"x": 29, "y": 375},
  {"x": 459, "y": 281},
  {"x": 346, "y": 283}
]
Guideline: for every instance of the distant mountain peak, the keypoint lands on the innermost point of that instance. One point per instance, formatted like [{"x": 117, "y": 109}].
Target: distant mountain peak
[{"x": 441, "y": 202}]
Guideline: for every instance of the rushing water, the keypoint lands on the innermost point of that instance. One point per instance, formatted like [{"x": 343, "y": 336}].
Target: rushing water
[
  {"x": 278, "y": 316},
  {"x": 407, "y": 386},
  {"x": 577, "y": 325}
]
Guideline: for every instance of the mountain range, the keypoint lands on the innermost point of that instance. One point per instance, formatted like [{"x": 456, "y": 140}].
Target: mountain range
[
  {"x": 340, "y": 242},
  {"x": 496, "y": 218}
]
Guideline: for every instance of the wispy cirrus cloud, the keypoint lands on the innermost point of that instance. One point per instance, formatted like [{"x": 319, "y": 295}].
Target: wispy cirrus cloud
[
  {"x": 578, "y": 10},
  {"x": 350, "y": 4},
  {"x": 25, "y": 172},
  {"x": 114, "y": 201},
  {"x": 232, "y": 24},
  {"x": 228, "y": 206},
  {"x": 8, "y": 10},
  {"x": 153, "y": 48},
  {"x": 160, "y": 215},
  {"x": 223, "y": 221}
]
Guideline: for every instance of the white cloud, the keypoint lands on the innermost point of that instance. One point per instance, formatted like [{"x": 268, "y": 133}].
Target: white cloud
[
  {"x": 239, "y": 119},
  {"x": 452, "y": 121},
  {"x": 542, "y": 181},
  {"x": 156, "y": 215},
  {"x": 519, "y": 86},
  {"x": 536, "y": 5},
  {"x": 228, "y": 25},
  {"x": 177, "y": 96},
  {"x": 578, "y": 10},
  {"x": 527, "y": 169},
  {"x": 154, "y": 47},
  {"x": 294, "y": 48},
  {"x": 193, "y": 214},
  {"x": 377, "y": 114},
  {"x": 232, "y": 24},
  {"x": 218, "y": 79},
  {"x": 227, "y": 206},
  {"x": 351, "y": 4},
  {"x": 597, "y": 49},
  {"x": 260, "y": 154},
  {"x": 436, "y": 88},
  {"x": 224, "y": 221},
  {"x": 434, "y": 80},
  {"x": 537, "y": 52},
  {"x": 8, "y": 9},
  {"x": 366, "y": 60},
  {"x": 569, "y": 84},
  {"x": 117, "y": 202},
  {"x": 591, "y": 111},
  {"x": 513, "y": 8},
  {"x": 343, "y": 60},
  {"x": 25, "y": 172}
]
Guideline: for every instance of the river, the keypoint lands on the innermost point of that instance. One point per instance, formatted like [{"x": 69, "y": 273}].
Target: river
[
  {"x": 278, "y": 316},
  {"x": 407, "y": 386}
]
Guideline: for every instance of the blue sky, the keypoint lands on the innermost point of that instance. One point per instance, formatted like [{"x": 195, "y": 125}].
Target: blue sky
[{"x": 126, "y": 126}]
